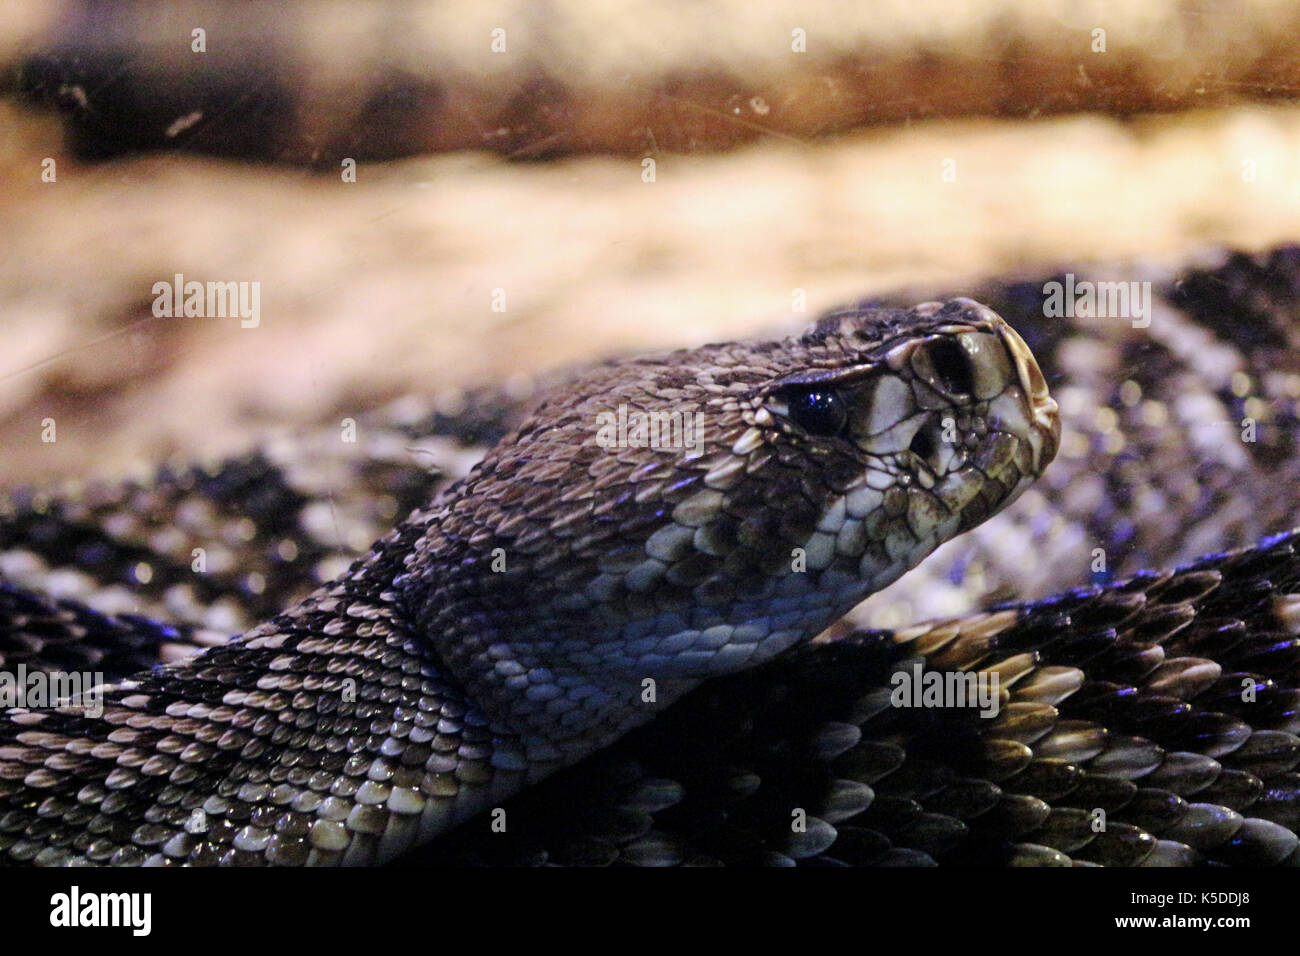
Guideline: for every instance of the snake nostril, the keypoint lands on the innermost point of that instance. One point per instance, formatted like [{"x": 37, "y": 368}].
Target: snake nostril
[{"x": 952, "y": 367}]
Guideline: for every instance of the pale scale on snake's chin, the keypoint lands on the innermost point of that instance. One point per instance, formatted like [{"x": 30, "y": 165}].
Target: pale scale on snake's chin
[{"x": 519, "y": 622}]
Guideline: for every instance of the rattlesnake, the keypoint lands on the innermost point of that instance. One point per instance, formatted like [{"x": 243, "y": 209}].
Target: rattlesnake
[
  {"x": 568, "y": 587},
  {"x": 1183, "y": 770},
  {"x": 1145, "y": 720}
]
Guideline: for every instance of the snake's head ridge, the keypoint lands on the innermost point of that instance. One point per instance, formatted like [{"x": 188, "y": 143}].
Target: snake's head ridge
[{"x": 690, "y": 514}]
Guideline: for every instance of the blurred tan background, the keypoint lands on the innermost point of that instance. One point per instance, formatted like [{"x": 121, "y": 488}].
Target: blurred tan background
[{"x": 921, "y": 144}]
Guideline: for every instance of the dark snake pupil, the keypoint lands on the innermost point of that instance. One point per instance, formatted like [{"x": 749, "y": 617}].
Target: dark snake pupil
[
  {"x": 952, "y": 367},
  {"x": 818, "y": 411}
]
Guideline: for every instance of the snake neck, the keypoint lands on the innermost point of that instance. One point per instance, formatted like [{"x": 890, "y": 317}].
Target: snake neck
[{"x": 498, "y": 644}]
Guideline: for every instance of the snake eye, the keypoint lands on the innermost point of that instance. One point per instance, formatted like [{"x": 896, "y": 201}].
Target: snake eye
[
  {"x": 818, "y": 411},
  {"x": 952, "y": 367}
]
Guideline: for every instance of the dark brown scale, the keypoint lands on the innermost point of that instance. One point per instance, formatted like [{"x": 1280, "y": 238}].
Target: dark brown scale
[
  {"x": 1049, "y": 780},
  {"x": 1118, "y": 845},
  {"x": 1234, "y": 789},
  {"x": 1154, "y": 810}
]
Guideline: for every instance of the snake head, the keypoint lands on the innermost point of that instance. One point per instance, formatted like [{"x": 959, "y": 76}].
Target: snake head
[
  {"x": 670, "y": 518},
  {"x": 924, "y": 423}
]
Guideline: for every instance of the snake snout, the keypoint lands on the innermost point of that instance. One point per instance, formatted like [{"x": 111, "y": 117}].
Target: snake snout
[
  {"x": 1020, "y": 403},
  {"x": 1043, "y": 412}
]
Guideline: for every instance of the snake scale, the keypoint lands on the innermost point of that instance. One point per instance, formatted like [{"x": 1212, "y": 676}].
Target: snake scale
[{"x": 1165, "y": 703}]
